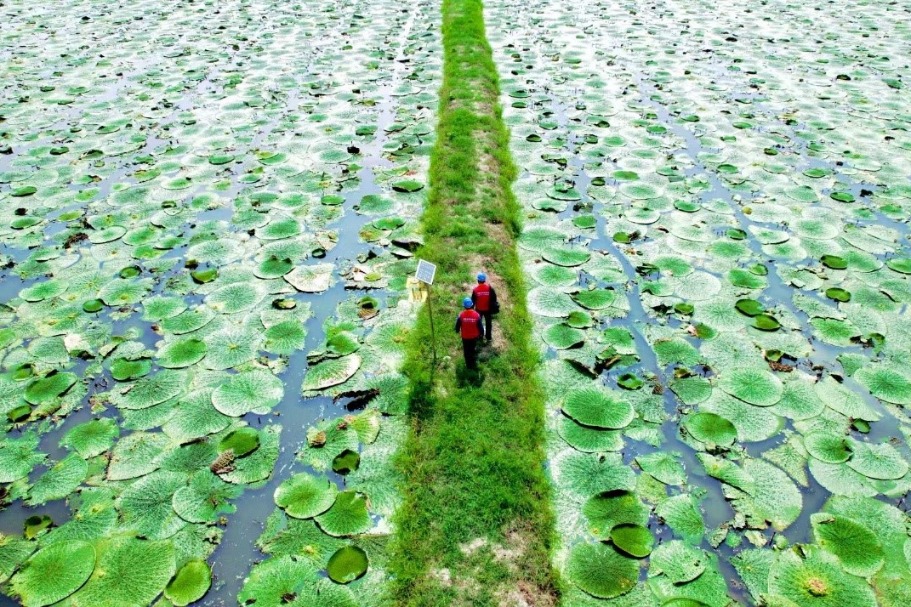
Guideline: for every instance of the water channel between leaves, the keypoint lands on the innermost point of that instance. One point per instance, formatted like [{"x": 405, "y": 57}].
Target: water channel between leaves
[{"x": 210, "y": 212}]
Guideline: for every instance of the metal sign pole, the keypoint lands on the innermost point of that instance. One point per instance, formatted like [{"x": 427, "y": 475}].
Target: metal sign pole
[{"x": 425, "y": 274}]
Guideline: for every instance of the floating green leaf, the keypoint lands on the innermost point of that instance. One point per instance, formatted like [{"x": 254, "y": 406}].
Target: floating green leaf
[
  {"x": 679, "y": 562},
  {"x": 347, "y": 564},
  {"x": 752, "y": 385},
  {"x": 598, "y": 407},
  {"x": 611, "y": 508},
  {"x": 858, "y": 549},
  {"x": 347, "y": 516},
  {"x": 256, "y": 390},
  {"x": 240, "y": 442},
  {"x": 814, "y": 578},
  {"x": 54, "y": 573},
  {"x": 129, "y": 573},
  {"x": 711, "y": 428},
  {"x": 601, "y": 571},
  {"x": 331, "y": 372},
  {"x": 305, "y": 496},
  {"x": 181, "y": 353},
  {"x": 190, "y": 584},
  {"x": 634, "y": 540}
]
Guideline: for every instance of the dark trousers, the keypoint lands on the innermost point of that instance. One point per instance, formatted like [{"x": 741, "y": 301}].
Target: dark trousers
[
  {"x": 470, "y": 349},
  {"x": 487, "y": 319}
]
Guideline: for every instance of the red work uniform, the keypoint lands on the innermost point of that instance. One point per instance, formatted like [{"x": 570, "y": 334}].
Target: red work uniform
[
  {"x": 468, "y": 324},
  {"x": 485, "y": 302}
]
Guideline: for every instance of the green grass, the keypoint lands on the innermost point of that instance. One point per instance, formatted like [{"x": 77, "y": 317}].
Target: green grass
[{"x": 476, "y": 523}]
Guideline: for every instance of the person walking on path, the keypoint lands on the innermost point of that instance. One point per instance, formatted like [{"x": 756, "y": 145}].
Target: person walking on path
[
  {"x": 468, "y": 324},
  {"x": 485, "y": 302}
]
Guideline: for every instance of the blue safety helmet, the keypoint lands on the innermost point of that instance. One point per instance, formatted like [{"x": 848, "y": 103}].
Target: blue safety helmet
[
  {"x": 467, "y": 303},
  {"x": 482, "y": 277}
]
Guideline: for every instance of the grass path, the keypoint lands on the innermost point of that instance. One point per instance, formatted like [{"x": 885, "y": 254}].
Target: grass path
[{"x": 476, "y": 526}]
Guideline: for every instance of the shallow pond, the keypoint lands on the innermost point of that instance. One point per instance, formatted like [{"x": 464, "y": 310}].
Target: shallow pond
[
  {"x": 209, "y": 219},
  {"x": 715, "y": 245}
]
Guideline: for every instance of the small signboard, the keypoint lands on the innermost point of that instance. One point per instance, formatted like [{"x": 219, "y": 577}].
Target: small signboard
[{"x": 426, "y": 271}]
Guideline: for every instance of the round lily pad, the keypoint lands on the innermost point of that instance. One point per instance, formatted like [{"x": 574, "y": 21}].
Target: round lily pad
[
  {"x": 190, "y": 584},
  {"x": 258, "y": 390},
  {"x": 561, "y": 336},
  {"x": 23, "y": 191},
  {"x": 129, "y": 571},
  {"x": 834, "y": 262},
  {"x": 274, "y": 267},
  {"x": 93, "y": 305},
  {"x": 692, "y": 390},
  {"x": 234, "y": 298},
  {"x": 814, "y": 578},
  {"x": 611, "y": 508},
  {"x": 205, "y": 499},
  {"x": 232, "y": 347},
  {"x": 566, "y": 256},
  {"x": 634, "y": 540},
  {"x": 579, "y": 320},
  {"x": 151, "y": 390},
  {"x": 407, "y": 186},
  {"x": 711, "y": 428},
  {"x": 839, "y": 479},
  {"x": 886, "y": 383},
  {"x": 128, "y": 370},
  {"x": 629, "y": 381},
  {"x": 749, "y": 307},
  {"x": 331, "y": 372},
  {"x": 220, "y": 159},
  {"x": 274, "y": 580},
  {"x": 550, "y": 303},
  {"x": 589, "y": 440},
  {"x": 188, "y": 321},
  {"x": 54, "y": 573},
  {"x": 305, "y": 496},
  {"x": 601, "y": 571},
  {"x": 92, "y": 438},
  {"x": 19, "y": 414},
  {"x": 204, "y": 276},
  {"x": 48, "y": 388},
  {"x": 598, "y": 407},
  {"x": 752, "y": 385},
  {"x": 181, "y": 353},
  {"x": 241, "y": 441},
  {"x": 146, "y": 505},
  {"x": 596, "y": 299},
  {"x": 765, "y": 322},
  {"x": 311, "y": 279},
  {"x": 36, "y": 525},
  {"x": 838, "y": 294},
  {"x": 347, "y": 516},
  {"x": 343, "y": 343},
  {"x": 902, "y": 265},
  {"x": 347, "y": 564},
  {"x": 858, "y": 548},
  {"x": 877, "y": 461},
  {"x": 550, "y": 275},
  {"x": 678, "y": 561},
  {"x": 827, "y": 447},
  {"x": 842, "y": 196},
  {"x": 59, "y": 481}
]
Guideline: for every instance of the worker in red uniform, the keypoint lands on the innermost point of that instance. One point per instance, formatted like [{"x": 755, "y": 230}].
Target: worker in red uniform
[
  {"x": 469, "y": 325},
  {"x": 485, "y": 302}
]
